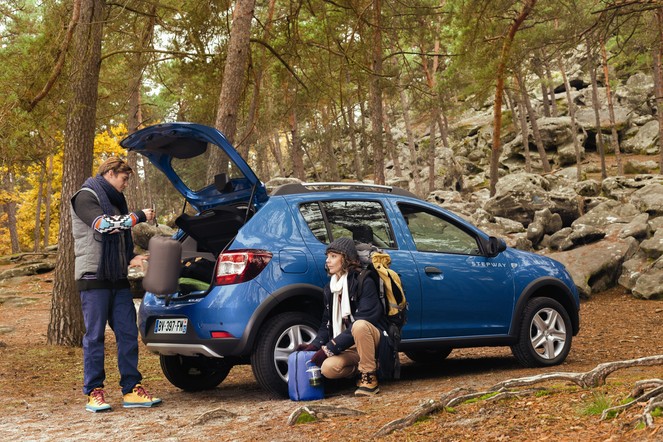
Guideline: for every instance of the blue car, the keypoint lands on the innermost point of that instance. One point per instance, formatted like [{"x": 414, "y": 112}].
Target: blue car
[{"x": 266, "y": 259}]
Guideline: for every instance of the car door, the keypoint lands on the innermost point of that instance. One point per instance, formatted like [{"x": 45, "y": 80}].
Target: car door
[
  {"x": 363, "y": 220},
  {"x": 464, "y": 293}
]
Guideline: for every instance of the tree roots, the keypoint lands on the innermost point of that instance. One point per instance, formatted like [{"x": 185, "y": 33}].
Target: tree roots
[{"x": 647, "y": 390}]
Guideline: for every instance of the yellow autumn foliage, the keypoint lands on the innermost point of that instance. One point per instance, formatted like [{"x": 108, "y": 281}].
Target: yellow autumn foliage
[{"x": 106, "y": 144}]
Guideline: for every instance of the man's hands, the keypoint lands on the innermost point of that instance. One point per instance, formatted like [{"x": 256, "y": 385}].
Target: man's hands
[
  {"x": 150, "y": 214},
  {"x": 138, "y": 260}
]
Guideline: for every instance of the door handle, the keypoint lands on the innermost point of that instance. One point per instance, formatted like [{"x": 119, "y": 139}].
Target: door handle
[{"x": 430, "y": 270}]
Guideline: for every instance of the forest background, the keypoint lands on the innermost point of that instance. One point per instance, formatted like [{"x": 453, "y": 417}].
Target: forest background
[{"x": 307, "y": 89}]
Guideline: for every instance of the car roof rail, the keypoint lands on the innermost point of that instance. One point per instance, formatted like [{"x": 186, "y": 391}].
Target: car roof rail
[
  {"x": 337, "y": 184},
  {"x": 305, "y": 187}
]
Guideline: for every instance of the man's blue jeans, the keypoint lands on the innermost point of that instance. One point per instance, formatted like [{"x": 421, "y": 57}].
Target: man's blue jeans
[{"x": 115, "y": 307}]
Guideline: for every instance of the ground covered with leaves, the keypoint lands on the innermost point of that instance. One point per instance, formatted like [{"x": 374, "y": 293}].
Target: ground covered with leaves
[{"x": 41, "y": 399}]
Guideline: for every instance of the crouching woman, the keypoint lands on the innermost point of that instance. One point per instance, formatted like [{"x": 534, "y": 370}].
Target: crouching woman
[{"x": 349, "y": 336}]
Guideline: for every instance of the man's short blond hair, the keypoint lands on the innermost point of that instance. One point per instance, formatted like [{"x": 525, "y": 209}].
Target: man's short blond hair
[{"x": 116, "y": 164}]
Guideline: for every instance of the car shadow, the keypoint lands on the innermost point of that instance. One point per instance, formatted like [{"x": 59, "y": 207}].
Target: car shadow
[{"x": 444, "y": 370}]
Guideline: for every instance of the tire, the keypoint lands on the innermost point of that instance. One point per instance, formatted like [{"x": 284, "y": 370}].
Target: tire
[
  {"x": 194, "y": 373},
  {"x": 428, "y": 356},
  {"x": 277, "y": 339},
  {"x": 545, "y": 334}
]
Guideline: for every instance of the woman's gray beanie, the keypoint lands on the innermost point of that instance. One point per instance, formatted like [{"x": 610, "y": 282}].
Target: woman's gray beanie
[{"x": 346, "y": 246}]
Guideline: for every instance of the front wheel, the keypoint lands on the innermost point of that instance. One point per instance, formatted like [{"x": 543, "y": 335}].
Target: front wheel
[
  {"x": 277, "y": 339},
  {"x": 194, "y": 373},
  {"x": 545, "y": 334}
]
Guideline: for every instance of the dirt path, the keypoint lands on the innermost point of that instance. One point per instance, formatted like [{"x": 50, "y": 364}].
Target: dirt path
[{"x": 40, "y": 388}]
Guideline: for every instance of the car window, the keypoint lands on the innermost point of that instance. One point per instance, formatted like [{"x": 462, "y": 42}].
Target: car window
[
  {"x": 193, "y": 171},
  {"x": 363, "y": 221},
  {"x": 433, "y": 233},
  {"x": 315, "y": 221}
]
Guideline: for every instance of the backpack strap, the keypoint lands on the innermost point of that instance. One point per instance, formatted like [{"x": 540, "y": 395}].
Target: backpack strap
[{"x": 370, "y": 272}]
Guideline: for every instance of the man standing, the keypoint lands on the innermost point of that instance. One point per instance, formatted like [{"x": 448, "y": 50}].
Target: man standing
[{"x": 104, "y": 249}]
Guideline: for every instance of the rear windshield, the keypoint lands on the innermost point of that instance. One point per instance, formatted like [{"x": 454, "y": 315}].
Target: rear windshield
[{"x": 193, "y": 171}]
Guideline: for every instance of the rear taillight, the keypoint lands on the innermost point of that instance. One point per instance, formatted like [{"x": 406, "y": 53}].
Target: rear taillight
[{"x": 240, "y": 266}]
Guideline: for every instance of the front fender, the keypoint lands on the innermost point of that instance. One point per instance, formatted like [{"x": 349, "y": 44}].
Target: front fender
[{"x": 551, "y": 288}]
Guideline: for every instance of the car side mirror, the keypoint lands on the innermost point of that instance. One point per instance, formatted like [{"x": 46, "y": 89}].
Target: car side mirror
[{"x": 495, "y": 246}]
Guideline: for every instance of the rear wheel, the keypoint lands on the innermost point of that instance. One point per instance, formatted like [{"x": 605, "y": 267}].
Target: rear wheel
[
  {"x": 277, "y": 339},
  {"x": 428, "y": 356},
  {"x": 545, "y": 334},
  {"x": 194, "y": 373}
]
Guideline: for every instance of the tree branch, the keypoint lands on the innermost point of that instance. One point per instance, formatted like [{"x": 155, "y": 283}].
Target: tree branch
[{"x": 75, "y": 14}]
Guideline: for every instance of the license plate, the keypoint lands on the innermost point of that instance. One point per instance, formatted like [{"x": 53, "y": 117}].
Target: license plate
[{"x": 172, "y": 326}]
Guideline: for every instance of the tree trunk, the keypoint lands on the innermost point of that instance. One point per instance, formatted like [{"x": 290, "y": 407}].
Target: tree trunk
[
  {"x": 376, "y": 95},
  {"x": 611, "y": 110},
  {"x": 658, "y": 83},
  {"x": 275, "y": 143},
  {"x": 411, "y": 143},
  {"x": 47, "y": 202},
  {"x": 538, "y": 141},
  {"x": 251, "y": 134},
  {"x": 234, "y": 79},
  {"x": 431, "y": 151},
  {"x": 596, "y": 106},
  {"x": 331, "y": 164},
  {"x": 545, "y": 102},
  {"x": 551, "y": 88},
  {"x": 572, "y": 115},
  {"x": 10, "y": 209},
  {"x": 364, "y": 138},
  {"x": 66, "y": 322},
  {"x": 522, "y": 117},
  {"x": 499, "y": 90},
  {"x": 296, "y": 148},
  {"x": 38, "y": 203},
  {"x": 392, "y": 149},
  {"x": 443, "y": 124},
  {"x": 136, "y": 193},
  {"x": 352, "y": 129}
]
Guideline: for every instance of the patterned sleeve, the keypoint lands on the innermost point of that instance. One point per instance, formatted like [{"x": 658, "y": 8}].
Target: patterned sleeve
[{"x": 107, "y": 223}]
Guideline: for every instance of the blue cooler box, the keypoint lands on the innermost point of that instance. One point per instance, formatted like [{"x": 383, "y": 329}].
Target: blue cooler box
[{"x": 299, "y": 387}]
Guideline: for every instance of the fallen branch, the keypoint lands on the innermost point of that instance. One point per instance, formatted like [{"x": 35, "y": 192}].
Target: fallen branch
[
  {"x": 591, "y": 379},
  {"x": 321, "y": 411}
]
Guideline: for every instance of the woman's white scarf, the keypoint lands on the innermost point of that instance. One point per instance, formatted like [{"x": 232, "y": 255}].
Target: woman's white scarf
[{"x": 340, "y": 310}]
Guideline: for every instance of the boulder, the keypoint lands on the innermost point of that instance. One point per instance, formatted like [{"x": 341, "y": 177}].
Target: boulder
[
  {"x": 144, "y": 231},
  {"x": 585, "y": 117},
  {"x": 520, "y": 195},
  {"x": 637, "y": 93},
  {"x": 632, "y": 269},
  {"x": 596, "y": 267},
  {"x": 638, "y": 228},
  {"x": 560, "y": 240},
  {"x": 649, "y": 199},
  {"x": 608, "y": 212},
  {"x": 653, "y": 247},
  {"x": 28, "y": 269},
  {"x": 634, "y": 167},
  {"x": 649, "y": 285},
  {"x": 587, "y": 188},
  {"x": 620, "y": 187},
  {"x": 566, "y": 154},
  {"x": 644, "y": 141}
]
